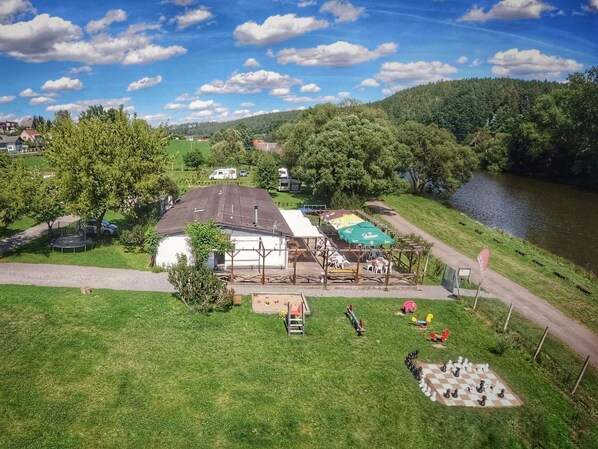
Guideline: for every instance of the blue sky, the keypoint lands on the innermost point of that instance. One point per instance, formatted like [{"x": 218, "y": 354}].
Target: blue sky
[{"x": 186, "y": 60}]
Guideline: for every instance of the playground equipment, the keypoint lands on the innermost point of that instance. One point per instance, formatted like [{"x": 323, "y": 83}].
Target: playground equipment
[
  {"x": 440, "y": 337},
  {"x": 423, "y": 323},
  {"x": 409, "y": 307},
  {"x": 356, "y": 322},
  {"x": 295, "y": 320}
]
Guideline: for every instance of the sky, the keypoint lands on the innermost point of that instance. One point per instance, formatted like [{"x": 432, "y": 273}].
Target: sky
[{"x": 180, "y": 61}]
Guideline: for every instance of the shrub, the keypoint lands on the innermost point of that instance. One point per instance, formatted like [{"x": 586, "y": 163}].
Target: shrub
[
  {"x": 133, "y": 238},
  {"x": 194, "y": 159},
  {"x": 198, "y": 288},
  {"x": 501, "y": 344},
  {"x": 342, "y": 200}
]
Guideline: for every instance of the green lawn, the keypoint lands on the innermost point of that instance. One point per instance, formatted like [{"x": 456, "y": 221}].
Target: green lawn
[
  {"x": 107, "y": 252},
  {"x": 178, "y": 148},
  {"x": 127, "y": 369},
  {"x": 33, "y": 161},
  {"x": 459, "y": 231}
]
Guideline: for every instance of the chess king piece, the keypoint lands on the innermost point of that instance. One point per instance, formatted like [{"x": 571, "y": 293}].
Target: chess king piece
[{"x": 456, "y": 372}]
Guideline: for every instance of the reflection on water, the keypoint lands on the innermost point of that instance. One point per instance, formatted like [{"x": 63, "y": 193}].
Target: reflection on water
[{"x": 559, "y": 218}]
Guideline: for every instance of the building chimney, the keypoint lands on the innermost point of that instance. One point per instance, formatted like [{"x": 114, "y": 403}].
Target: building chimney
[{"x": 255, "y": 222}]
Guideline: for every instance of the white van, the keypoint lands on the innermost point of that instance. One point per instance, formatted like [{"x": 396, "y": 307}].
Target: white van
[
  {"x": 283, "y": 173},
  {"x": 224, "y": 173}
]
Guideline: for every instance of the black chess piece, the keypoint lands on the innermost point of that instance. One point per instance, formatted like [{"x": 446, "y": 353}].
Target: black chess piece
[
  {"x": 481, "y": 388},
  {"x": 416, "y": 353},
  {"x": 469, "y": 389},
  {"x": 456, "y": 372},
  {"x": 443, "y": 368},
  {"x": 455, "y": 394},
  {"x": 482, "y": 402},
  {"x": 501, "y": 394},
  {"x": 447, "y": 394}
]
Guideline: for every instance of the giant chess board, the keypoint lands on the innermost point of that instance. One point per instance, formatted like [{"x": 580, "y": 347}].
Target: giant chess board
[{"x": 466, "y": 385}]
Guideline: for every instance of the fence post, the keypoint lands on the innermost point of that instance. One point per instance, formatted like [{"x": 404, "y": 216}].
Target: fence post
[
  {"x": 583, "y": 370},
  {"x": 504, "y": 329},
  {"x": 540, "y": 344}
]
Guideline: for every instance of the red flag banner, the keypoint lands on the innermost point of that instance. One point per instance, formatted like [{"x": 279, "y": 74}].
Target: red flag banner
[{"x": 483, "y": 259}]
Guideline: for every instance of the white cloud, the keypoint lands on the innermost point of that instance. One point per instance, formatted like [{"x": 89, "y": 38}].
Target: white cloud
[
  {"x": 9, "y": 9},
  {"x": 79, "y": 106},
  {"x": 62, "y": 84},
  {"x": 155, "y": 119},
  {"x": 114, "y": 15},
  {"x": 47, "y": 38},
  {"x": 6, "y": 117},
  {"x": 199, "y": 104},
  {"x": 397, "y": 75},
  {"x": 591, "y": 7},
  {"x": 342, "y": 11},
  {"x": 176, "y": 106},
  {"x": 276, "y": 29},
  {"x": 44, "y": 99},
  {"x": 180, "y": 2},
  {"x": 338, "y": 54},
  {"x": 304, "y": 99},
  {"x": 270, "y": 53},
  {"x": 249, "y": 83},
  {"x": 280, "y": 92},
  {"x": 7, "y": 98},
  {"x": 462, "y": 59},
  {"x": 369, "y": 82},
  {"x": 311, "y": 87},
  {"x": 202, "y": 114},
  {"x": 144, "y": 83},
  {"x": 344, "y": 94},
  {"x": 252, "y": 62},
  {"x": 306, "y": 3},
  {"x": 247, "y": 104},
  {"x": 508, "y": 10},
  {"x": 192, "y": 17},
  {"x": 28, "y": 93},
  {"x": 187, "y": 97},
  {"x": 531, "y": 64},
  {"x": 475, "y": 63},
  {"x": 82, "y": 69}
]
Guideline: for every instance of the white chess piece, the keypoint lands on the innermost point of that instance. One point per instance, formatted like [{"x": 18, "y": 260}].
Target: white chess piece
[
  {"x": 433, "y": 397},
  {"x": 487, "y": 367},
  {"x": 428, "y": 393},
  {"x": 466, "y": 361},
  {"x": 460, "y": 359}
]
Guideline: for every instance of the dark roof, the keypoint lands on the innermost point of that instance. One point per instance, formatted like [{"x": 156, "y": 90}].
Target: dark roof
[
  {"x": 11, "y": 139},
  {"x": 229, "y": 205}
]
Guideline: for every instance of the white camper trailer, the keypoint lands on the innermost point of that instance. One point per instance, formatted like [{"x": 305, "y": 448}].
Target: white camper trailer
[{"x": 224, "y": 173}]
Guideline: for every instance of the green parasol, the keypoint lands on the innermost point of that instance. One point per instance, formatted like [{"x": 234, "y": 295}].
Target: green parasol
[{"x": 364, "y": 233}]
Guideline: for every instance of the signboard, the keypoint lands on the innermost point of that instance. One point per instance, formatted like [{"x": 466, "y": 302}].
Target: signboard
[
  {"x": 450, "y": 279},
  {"x": 464, "y": 272},
  {"x": 483, "y": 260}
]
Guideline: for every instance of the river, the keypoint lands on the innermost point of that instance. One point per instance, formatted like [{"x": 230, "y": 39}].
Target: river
[{"x": 561, "y": 219}]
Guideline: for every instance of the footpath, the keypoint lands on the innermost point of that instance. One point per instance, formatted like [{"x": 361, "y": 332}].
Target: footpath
[
  {"x": 574, "y": 334},
  {"x": 24, "y": 237}
]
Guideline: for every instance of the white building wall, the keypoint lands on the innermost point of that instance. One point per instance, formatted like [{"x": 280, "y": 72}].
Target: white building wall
[
  {"x": 169, "y": 248},
  {"x": 245, "y": 240}
]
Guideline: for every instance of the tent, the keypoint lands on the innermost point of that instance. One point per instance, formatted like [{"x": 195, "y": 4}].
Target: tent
[{"x": 364, "y": 233}]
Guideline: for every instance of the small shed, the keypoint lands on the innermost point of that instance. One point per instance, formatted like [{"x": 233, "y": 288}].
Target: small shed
[{"x": 248, "y": 215}]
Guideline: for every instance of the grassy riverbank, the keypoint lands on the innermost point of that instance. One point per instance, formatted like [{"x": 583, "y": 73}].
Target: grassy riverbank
[
  {"x": 519, "y": 260},
  {"x": 132, "y": 369}
]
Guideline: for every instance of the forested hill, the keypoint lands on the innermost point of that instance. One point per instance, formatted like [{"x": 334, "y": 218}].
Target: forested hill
[
  {"x": 258, "y": 126},
  {"x": 464, "y": 106}
]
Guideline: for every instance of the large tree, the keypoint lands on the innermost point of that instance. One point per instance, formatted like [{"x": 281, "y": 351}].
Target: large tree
[
  {"x": 265, "y": 174},
  {"x": 44, "y": 201},
  {"x": 108, "y": 160},
  {"x": 228, "y": 147},
  {"x": 14, "y": 186},
  {"x": 437, "y": 163},
  {"x": 348, "y": 150}
]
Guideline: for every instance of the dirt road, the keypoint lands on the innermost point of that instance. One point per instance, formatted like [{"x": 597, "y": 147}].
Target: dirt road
[{"x": 571, "y": 332}]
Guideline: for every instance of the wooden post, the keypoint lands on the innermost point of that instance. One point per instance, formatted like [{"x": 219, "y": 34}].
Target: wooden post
[
  {"x": 295, "y": 267},
  {"x": 262, "y": 254},
  {"x": 425, "y": 268},
  {"x": 504, "y": 329},
  {"x": 477, "y": 294},
  {"x": 359, "y": 256},
  {"x": 540, "y": 345},
  {"x": 583, "y": 370},
  {"x": 419, "y": 259},
  {"x": 326, "y": 254},
  {"x": 387, "y": 277}
]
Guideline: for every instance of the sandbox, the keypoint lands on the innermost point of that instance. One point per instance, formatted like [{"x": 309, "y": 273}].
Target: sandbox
[{"x": 274, "y": 303}]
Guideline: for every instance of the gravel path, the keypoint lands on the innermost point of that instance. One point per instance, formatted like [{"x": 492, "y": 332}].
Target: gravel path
[
  {"x": 571, "y": 332},
  {"x": 24, "y": 237},
  {"x": 121, "y": 279}
]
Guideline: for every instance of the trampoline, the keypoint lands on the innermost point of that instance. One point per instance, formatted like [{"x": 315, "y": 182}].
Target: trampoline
[{"x": 73, "y": 242}]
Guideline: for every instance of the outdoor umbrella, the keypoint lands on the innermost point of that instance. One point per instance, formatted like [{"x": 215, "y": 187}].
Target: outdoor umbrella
[
  {"x": 345, "y": 221},
  {"x": 364, "y": 233}
]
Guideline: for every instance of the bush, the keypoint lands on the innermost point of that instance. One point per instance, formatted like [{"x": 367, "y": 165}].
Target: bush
[
  {"x": 194, "y": 159},
  {"x": 198, "y": 288},
  {"x": 133, "y": 238},
  {"x": 342, "y": 200},
  {"x": 501, "y": 344}
]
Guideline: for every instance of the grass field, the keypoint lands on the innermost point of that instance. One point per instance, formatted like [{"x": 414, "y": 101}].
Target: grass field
[
  {"x": 108, "y": 252},
  {"x": 178, "y": 148},
  {"x": 445, "y": 224},
  {"x": 33, "y": 161},
  {"x": 127, "y": 369}
]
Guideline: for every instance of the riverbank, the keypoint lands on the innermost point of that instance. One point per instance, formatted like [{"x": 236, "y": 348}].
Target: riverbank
[{"x": 550, "y": 277}]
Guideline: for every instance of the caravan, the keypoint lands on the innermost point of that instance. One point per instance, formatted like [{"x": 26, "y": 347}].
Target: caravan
[{"x": 224, "y": 173}]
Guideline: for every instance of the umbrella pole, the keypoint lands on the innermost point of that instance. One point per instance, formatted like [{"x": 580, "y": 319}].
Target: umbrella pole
[{"x": 357, "y": 269}]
